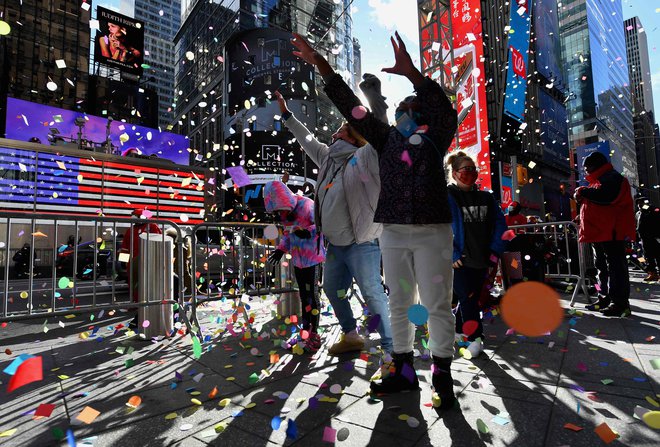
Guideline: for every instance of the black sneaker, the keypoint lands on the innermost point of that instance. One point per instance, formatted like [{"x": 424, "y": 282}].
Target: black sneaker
[
  {"x": 443, "y": 385},
  {"x": 602, "y": 303},
  {"x": 404, "y": 377},
  {"x": 615, "y": 310}
]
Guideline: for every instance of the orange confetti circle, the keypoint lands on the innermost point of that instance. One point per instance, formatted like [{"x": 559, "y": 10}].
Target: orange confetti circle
[{"x": 532, "y": 309}]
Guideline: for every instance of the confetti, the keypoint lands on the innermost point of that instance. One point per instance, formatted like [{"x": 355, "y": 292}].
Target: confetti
[
  {"x": 605, "y": 433},
  {"x": 532, "y": 298},
  {"x": 418, "y": 314},
  {"x": 87, "y": 415}
]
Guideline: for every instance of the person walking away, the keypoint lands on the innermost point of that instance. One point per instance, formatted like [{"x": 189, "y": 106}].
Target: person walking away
[
  {"x": 347, "y": 193},
  {"x": 648, "y": 229},
  {"x": 478, "y": 227},
  {"x": 607, "y": 221},
  {"x": 305, "y": 244},
  {"x": 413, "y": 206}
]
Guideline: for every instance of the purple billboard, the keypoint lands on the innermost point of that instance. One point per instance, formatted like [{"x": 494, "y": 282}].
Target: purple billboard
[{"x": 28, "y": 121}]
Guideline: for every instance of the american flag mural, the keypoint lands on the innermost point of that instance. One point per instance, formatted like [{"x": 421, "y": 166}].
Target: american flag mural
[{"x": 46, "y": 182}]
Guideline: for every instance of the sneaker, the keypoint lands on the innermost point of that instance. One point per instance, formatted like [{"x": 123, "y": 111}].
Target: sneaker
[
  {"x": 443, "y": 397},
  {"x": 313, "y": 342},
  {"x": 348, "y": 343},
  {"x": 475, "y": 348},
  {"x": 404, "y": 377},
  {"x": 617, "y": 311},
  {"x": 652, "y": 277},
  {"x": 602, "y": 303}
]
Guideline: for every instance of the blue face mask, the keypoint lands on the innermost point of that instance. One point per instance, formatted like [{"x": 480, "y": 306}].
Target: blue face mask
[{"x": 406, "y": 122}]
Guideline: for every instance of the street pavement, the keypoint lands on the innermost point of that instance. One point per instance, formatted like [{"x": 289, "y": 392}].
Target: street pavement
[{"x": 590, "y": 371}]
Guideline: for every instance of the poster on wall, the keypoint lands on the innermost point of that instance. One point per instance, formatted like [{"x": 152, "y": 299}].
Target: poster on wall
[
  {"x": 119, "y": 41},
  {"x": 469, "y": 74},
  {"x": 27, "y": 120},
  {"x": 516, "y": 77}
]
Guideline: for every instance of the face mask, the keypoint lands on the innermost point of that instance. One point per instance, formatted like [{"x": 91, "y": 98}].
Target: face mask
[
  {"x": 468, "y": 178},
  {"x": 511, "y": 209}
]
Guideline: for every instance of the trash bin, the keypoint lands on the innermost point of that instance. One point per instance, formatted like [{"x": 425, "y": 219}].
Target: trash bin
[
  {"x": 155, "y": 284},
  {"x": 289, "y": 303}
]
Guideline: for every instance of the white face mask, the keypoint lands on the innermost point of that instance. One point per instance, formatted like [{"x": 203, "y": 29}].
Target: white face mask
[{"x": 511, "y": 209}]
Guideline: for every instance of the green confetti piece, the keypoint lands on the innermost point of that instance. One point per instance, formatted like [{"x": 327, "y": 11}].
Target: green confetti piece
[
  {"x": 64, "y": 282},
  {"x": 482, "y": 427},
  {"x": 197, "y": 347},
  {"x": 129, "y": 362},
  {"x": 404, "y": 285},
  {"x": 655, "y": 363},
  {"x": 58, "y": 433},
  {"x": 254, "y": 378},
  {"x": 607, "y": 381}
]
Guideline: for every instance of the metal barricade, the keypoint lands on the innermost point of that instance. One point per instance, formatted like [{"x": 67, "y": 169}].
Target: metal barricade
[
  {"x": 87, "y": 273},
  {"x": 230, "y": 261},
  {"x": 571, "y": 258}
]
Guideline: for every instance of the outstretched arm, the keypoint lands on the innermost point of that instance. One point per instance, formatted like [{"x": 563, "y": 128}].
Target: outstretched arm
[{"x": 370, "y": 86}]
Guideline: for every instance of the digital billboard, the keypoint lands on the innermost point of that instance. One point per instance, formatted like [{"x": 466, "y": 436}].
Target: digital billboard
[
  {"x": 470, "y": 73},
  {"x": 26, "y": 120},
  {"x": 548, "y": 50},
  {"x": 119, "y": 41},
  {"x": 516, "y": 77},
  {"x": 260, "y": 60}
]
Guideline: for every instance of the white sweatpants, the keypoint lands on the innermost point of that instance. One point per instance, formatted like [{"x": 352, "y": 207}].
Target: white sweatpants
[{"x": 417, "y": 264}]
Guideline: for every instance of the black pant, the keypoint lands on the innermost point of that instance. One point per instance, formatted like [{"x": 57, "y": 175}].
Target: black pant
[
  {"x": 468, "y": 283},
  {"x": 308, "y": 289},
  {"x": 651, "y": 254},
  {"x": 613, "y": 271}
]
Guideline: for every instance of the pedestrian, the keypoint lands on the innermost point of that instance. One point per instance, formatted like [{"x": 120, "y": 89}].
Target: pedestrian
[
  {"x": 514, "y": 217},
  {"x": 648, "y": 229},
  {"x": 347, "y": 192},
  {"x": 478, "y": 225},
  {"x": 607, "y": 221},
  {"x": 413, "y": 206},
  {"x": 130, "y": 245},
  {"x": 305, "y": 244}
]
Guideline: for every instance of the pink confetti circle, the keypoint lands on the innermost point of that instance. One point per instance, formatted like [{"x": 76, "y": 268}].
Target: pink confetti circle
[
  {"x": 145, "y": 323},
  {"x": 359, "y": 112}
]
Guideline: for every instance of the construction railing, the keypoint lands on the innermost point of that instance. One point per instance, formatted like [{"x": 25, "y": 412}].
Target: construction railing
[
  {"x": 87, "y": 264},
  {"x": 564, "y": 257}
]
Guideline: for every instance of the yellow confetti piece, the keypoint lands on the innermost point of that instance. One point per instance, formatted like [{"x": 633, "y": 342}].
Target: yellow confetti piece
[
  {"x": 83, "y": 335},
  {"x": 196, "y": 401},
  {"x": 24, "y": 295},
  {"x": 652, "y": 401},
  {"x": 224, "y": 402},
  {"x": 229, "y": 366},
  {"x": 250, "y": 405},
  {"x": 62, "y": 377},
  {"x": 436, "y": 400},
  {"x": 80, "y": 178},
  {"x": 231, "y": 379},
  {"x": 195, "y": 393},
  {"x": 70, "y": 316},
  {"x": 171, "y": 416},
  {"x": 652, "y": 419},
  {"x": 8, "y": 433},
  {"x": 403, "y": 417},
  {"x": 219, "y": 428}
]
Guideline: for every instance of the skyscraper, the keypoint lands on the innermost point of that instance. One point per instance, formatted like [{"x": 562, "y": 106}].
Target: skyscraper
[
  {"x": 162, "y": 20},
  {"x": 45, "y": 56},
  {"x": 639, "y": 67},
  {"x": 643, "y": 116},
  {"x": 596, "y": 70}
]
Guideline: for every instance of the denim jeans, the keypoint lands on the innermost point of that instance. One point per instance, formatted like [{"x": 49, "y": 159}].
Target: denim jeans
[
  {"x": 468, "y": 283},
  {"x": 362, "y": 262}
]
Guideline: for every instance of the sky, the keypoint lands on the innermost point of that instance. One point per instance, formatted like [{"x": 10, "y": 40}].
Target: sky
[{"x": 375, "y": 20}]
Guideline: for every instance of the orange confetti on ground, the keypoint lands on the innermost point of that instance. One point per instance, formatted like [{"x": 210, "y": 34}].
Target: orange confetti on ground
[
  {"x": 134, "y": 401},
  {"x": 605, "y": 433}
]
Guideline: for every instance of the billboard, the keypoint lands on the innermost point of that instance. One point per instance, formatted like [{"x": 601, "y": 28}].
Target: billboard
[
  {"x": 119, "y": 41},
  {"x": 260, "y": 60},
  {"x": 26, "y": 120},
  {"x": 43, "y": 182},
  {"x": 605, "y": 148},
  {"x": 469, "y": 73},
  {"x": 516, "y": 76},
  {"x": 554, "y": 130},
  {"x": 548, "y": 50}
]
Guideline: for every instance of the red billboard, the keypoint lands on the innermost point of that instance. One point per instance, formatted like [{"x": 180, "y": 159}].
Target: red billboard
[{"x": 469, "y": 74}]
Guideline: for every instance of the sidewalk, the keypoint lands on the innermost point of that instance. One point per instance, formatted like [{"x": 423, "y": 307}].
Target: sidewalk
[{"x": 592, "y": 370}]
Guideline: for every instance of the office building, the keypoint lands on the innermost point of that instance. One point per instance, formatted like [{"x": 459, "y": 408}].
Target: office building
[
  {"x": 162, "y": 20},
  {"x": 45, "y": 59},
  {"x": 599, "y": 104},
  {"x": 639, "y": 67}
]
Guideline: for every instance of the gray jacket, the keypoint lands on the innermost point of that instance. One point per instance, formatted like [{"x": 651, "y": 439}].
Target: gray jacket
[{"x": 359, "y": 175}]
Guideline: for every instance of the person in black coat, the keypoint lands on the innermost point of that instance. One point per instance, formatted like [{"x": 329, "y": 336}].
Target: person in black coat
[{"x": 648, "y": 228}]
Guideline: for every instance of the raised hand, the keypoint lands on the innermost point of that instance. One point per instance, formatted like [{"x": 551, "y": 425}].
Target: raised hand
[
  {"x": 403, "y": 64},
  {"x": 281, "y": 102},
  {"x": 310, "y": 55}
]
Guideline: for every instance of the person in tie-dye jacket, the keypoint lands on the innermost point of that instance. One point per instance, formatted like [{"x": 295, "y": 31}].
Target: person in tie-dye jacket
[{"x": 307, "y": 249}]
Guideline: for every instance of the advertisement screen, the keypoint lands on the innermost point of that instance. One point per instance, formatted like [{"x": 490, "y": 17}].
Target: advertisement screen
[
  {"x": 26, "y": 120},
  {"x": 470, "y": 86},
  {"x": 554, "y": 130},
  {"x": 119, "y": 41},
  {"x": 548, "y": 51},
  {"x": 261, "y": 60},
  {"x": 516, "y": 77}
]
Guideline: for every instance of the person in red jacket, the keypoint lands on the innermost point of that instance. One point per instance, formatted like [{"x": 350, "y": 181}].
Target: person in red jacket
[
  {"x": 607, "y": 221},
  {"x": 514, "y": 217}
]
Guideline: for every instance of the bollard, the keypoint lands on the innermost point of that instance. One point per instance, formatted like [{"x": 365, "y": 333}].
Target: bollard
[{"x": 155, "y": 284}]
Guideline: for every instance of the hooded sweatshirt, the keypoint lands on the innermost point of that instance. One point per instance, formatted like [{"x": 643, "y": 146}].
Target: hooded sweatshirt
[{"x": 278, "y": 197}]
